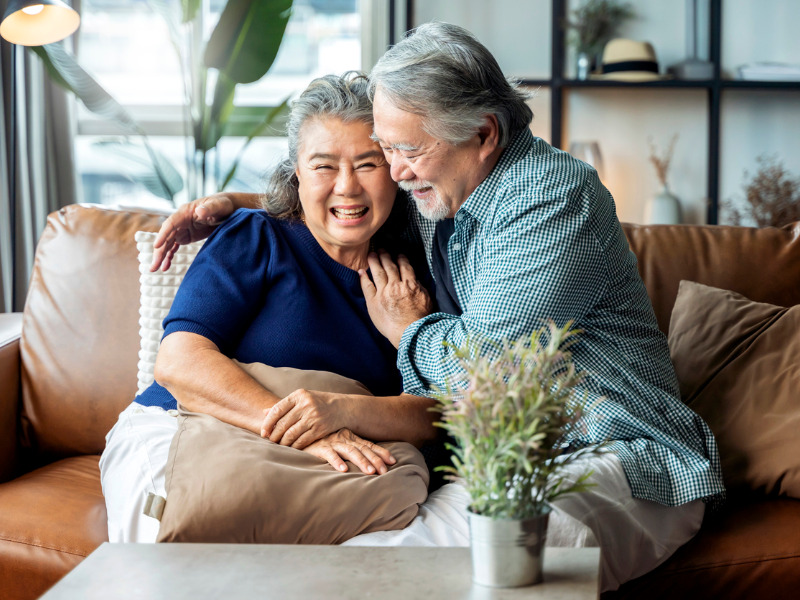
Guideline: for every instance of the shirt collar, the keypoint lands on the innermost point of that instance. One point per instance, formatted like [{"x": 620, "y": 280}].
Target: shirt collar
[{"x": 479, "y": 204}]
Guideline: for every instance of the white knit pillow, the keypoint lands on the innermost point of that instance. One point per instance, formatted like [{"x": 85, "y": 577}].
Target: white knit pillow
[{"x": 156, "y": 292}]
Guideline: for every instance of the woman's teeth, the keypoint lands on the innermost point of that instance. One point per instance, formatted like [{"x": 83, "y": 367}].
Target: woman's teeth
[{"x": 349, "y": 213}]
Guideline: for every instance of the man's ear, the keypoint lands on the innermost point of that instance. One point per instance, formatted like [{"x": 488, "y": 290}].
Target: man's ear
[{"x": 489, "y": 136}]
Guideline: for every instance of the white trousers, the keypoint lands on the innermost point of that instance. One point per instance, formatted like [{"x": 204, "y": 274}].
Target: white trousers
[
  {"x": 635, "y": 535},
  {"x": 133, "y": 466}
]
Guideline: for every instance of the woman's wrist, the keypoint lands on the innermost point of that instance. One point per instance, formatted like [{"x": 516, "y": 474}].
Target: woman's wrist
[{"x": 351, "y": 411}]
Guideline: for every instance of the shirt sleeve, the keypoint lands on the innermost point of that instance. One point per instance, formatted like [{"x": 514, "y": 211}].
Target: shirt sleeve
[
  {"x": 226, "y": 284},
  {"x": 540, "y": 260}
]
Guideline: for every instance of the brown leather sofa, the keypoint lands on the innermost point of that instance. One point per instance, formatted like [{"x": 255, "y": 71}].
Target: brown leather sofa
[{"x": 64, "y": 381}]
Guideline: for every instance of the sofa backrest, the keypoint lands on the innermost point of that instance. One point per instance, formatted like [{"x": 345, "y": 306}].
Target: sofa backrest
[
  {"x": 80, "y": 337},
  {"x": 762, "y": 264},
  {"x": 80, "y": 333}
]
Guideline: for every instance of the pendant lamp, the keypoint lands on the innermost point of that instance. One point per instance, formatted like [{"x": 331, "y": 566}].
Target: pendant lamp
[{"x": 38, "y": 22}]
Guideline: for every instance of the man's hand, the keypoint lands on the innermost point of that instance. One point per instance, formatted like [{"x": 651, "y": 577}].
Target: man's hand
[
  {"x": 395, "y": 299},
  {"x": 344, "y": 444},
  {"x": 189, "y": 223}
]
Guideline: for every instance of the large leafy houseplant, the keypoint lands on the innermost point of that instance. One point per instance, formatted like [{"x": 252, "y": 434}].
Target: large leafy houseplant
[
  {"x": 239, "y": 50},
  {"x": 513, "y": 420}
]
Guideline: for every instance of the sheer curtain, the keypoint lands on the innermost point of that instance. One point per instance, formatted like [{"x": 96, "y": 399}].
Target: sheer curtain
[{"x": 44, "y": 178}]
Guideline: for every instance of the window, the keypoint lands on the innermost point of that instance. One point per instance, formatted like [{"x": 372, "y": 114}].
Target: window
[{"x": 125, "y": 45}]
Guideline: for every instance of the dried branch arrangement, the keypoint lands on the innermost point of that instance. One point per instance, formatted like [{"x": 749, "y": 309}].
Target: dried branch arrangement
[
  {"x": 772, "y": 196},
  {"x": 660, "y": 161}
]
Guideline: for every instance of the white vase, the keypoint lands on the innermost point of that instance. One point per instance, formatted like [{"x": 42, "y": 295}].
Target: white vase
[
  {"x": 507, "y": 552},
  {"x": 583, "y": 66},
  {"x": 663, "y": 209}
]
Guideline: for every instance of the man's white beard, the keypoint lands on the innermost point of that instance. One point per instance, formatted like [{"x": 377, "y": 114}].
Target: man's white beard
[{"x": 432, "y": 208}]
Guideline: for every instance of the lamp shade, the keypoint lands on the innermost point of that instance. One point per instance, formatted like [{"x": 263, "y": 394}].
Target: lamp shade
[{"x": 38, "y": 22}]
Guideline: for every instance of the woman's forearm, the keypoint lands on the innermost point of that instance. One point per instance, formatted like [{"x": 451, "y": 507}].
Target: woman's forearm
[
  {"x": 204, "y": 380},
  {"x": 393, "y": 418}
]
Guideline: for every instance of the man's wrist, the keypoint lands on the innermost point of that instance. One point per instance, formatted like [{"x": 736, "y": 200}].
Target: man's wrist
[{"x": 398, "y": 333}]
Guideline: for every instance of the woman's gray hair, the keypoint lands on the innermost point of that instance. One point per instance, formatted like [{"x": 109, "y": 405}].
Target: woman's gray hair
[
  {"x": 443, "y": 73},
  {"x": 343, "y": 97}
]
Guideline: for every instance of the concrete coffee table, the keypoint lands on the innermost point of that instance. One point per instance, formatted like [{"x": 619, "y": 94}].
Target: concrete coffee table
[{"x": 196, "y": 571}]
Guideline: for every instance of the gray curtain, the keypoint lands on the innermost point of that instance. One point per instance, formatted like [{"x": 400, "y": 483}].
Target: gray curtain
[{"x": 43, "y": 172}]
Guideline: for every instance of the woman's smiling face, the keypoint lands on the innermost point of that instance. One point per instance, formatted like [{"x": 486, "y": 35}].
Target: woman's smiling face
[{"x": 345, "y": 187}]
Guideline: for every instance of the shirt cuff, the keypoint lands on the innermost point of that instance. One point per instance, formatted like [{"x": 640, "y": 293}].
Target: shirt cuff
[
  {"x": 409, "y": 359},
  {"x": 192, "y": 327}
]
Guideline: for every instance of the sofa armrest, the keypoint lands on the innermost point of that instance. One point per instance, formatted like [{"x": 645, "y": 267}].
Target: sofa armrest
[{"x": 10, "y": 331}]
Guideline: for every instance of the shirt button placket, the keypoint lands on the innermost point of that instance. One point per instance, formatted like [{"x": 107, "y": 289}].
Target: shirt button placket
[{"x": 456, "y": 246}]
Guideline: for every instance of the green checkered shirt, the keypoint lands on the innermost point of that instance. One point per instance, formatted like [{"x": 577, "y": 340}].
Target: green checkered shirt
[{"x": 539, "y": 239}]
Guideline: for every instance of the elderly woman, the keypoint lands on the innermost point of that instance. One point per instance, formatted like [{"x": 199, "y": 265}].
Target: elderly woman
[{"x": 280, "y": 286}]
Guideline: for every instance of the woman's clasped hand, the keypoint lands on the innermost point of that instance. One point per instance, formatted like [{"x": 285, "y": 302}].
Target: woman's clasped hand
[{"x": 316, "y": 422}]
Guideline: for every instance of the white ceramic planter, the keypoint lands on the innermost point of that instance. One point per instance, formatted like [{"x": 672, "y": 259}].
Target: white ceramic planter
[
  {"x": 506, "y": 552},
  {"x": 663, "y": 209}
]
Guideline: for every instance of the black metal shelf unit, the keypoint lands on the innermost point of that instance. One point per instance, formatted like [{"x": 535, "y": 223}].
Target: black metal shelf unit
[{"x": 714, "y": 88}]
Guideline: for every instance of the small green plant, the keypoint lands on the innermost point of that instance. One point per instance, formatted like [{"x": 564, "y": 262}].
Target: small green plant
[
  {"x": 595, "y": 22},
  {"x": 512, "y": 423},
  {"x": 772, "y": 196}
]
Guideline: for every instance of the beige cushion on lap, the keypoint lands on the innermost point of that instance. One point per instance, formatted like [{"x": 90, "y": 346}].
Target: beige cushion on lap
[
  {"x": 225, "y": 484},
  {"x": 738, "y": 364},
  {"x": 282, "y": 381}
]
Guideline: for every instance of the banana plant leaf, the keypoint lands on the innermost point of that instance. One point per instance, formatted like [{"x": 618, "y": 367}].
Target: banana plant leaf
[
  {"x": 259, "y": 129},
  {"x": 217, "y": 115},
  {"x": 247, "y": 37},
  {"x": 66, "y": 72},
  {"x": 138, "y": 166},
  {"x": 242, "y": 48},
  {"x": 189, "y": 9}
]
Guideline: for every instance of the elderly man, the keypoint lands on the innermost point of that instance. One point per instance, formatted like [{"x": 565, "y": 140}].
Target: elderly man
[{"x": 517, "y": 232}]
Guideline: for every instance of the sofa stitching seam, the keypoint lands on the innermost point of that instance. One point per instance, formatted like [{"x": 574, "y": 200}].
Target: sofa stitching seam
[
  {"x": 743, "y": 562},
  {"x": 13, "y": 541}
]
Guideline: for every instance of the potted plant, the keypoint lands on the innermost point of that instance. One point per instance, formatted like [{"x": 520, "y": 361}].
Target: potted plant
[
  {"x": 592, "y": 25},
  {"x": 511, "y": 421}
]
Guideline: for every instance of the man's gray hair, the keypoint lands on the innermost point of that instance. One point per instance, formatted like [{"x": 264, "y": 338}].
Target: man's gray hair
[
  {"x": 342, "y": 97},
  {"x": 443, "y": 73}
]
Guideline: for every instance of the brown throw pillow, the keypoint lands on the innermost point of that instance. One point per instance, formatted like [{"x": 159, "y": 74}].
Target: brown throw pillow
[
  {"x": 225, "y": 484},
  {"x": 738, "y": 364}
]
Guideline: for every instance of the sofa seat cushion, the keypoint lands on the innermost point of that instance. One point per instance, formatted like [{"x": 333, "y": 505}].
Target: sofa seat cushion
[
  {"x": 749, "y": 550},
  {"x": 50, "y": 519}
]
